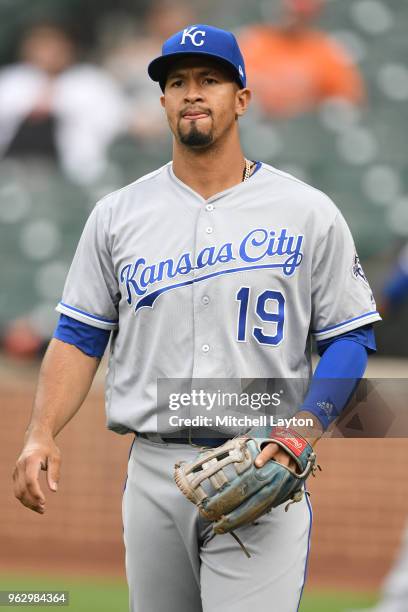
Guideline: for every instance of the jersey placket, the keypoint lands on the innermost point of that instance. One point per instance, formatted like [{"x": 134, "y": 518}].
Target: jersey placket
[{"x": 203, "y": 295}]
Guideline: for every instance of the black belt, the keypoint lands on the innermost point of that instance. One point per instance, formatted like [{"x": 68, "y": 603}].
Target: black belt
[{"x": 211, "y": 442}]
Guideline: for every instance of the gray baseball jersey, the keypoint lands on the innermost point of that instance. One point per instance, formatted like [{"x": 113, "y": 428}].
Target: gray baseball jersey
[{"x": 229, "y": 287}]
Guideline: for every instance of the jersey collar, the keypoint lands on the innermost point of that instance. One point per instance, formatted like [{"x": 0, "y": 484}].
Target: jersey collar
[{"x": 216, "y": 196}]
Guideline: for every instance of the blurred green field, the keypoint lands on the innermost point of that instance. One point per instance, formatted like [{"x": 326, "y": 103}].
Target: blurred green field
[{"x": 110, "y": 595}]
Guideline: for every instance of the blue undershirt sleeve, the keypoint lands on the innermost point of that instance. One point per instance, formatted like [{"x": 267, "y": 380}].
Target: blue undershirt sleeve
[
  {"x": 362, "y": 335},
  {"x": 89, "y": 339}
]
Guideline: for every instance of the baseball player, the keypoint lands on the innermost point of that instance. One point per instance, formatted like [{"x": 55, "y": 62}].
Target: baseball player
[{"x": 212, "y": 266}]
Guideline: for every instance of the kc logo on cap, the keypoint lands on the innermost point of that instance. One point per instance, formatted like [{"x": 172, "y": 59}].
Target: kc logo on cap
[
  {"x": 204, "y": 40},
  {"x": 192, "y": 36}
]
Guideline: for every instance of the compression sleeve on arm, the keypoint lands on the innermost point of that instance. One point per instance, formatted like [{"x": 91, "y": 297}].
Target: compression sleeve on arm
[
  {"x": 343, "y": 357},
  {"x": 89, "y": 339}
]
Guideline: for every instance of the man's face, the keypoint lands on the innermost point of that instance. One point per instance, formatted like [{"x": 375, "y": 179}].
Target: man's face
[
  {"x": 48, "y": 48},
  {"x": 202, "y": 101},
  {"x": 302, "y": 12}
]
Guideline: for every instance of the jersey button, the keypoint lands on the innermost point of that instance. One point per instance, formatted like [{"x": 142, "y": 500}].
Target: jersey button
[
  {"x": 209, "y": 207},
  {"x": 209, "y": 230},
  {"x": 205, "y": 348},
  {"x": 205, "y": 300}
]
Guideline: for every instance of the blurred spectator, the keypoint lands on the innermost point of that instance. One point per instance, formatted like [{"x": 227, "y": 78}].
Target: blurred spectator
[
  {"x": 292, "y": 67},
  {"x": 127, "y": 62},
  {"x": 20, "y": 340},
  {"x": 395, "y": 291},
  {"x": 55, "y": 107}
]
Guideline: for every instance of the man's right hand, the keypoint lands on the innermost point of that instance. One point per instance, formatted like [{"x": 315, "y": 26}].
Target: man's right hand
[{"x": 39, "y": 453}]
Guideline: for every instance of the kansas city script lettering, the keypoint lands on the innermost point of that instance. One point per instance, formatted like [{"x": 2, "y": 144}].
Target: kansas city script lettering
[{"x": 258, "y": 247}]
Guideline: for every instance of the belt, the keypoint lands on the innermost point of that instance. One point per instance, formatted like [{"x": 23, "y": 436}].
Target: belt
[{"x": 185, "y": 439}]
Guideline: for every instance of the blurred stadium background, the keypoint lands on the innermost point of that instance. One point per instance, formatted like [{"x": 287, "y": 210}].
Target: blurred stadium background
[{"x": 356, "y": 154}]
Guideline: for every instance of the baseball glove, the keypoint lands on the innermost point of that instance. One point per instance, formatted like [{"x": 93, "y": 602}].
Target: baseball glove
[{"x": 231, "y": 491}]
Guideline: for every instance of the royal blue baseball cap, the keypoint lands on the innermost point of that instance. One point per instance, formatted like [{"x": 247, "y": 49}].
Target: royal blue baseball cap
[{"x": 199, "y": 40}]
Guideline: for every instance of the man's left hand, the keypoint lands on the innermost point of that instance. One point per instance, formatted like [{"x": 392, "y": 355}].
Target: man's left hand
[{"x": 276, "y": 453}]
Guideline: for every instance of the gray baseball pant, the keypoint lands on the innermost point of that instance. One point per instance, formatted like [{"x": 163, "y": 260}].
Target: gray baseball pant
[{"x": 172, "y": 565}]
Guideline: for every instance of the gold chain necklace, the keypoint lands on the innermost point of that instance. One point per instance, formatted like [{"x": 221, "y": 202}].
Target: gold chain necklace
[{"x": 247, "y": 170}]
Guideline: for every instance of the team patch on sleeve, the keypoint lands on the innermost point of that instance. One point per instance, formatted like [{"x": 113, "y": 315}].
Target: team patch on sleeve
[{"x": 357, "y": 269}]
